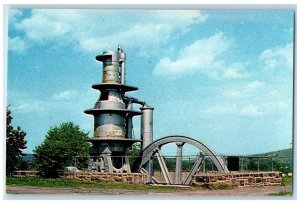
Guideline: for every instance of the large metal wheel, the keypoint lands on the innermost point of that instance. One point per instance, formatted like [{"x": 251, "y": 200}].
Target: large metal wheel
[{"x": 154, "y": 151}]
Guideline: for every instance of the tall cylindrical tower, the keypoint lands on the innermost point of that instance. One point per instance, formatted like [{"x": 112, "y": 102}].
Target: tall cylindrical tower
[{"x": 112, "y": 116}]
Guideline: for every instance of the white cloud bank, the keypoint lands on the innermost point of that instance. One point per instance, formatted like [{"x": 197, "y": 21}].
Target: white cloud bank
[
  {"x": 251, "y": 110},
  {"x": 278, "y": 58},
  {"x": 202, "y": 55},
  {"x": 16, "y": 44},
  {"x": 94, "y": 30}
]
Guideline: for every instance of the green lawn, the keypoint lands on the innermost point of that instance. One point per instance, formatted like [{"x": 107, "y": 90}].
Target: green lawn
[
  {"x": 288, "y": 180},
  {"x": 42, "y": 182},
  {"x": 282, "y": 193}
]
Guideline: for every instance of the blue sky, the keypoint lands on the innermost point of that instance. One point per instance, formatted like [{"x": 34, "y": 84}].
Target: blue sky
[{"x": 224, "y": 77}]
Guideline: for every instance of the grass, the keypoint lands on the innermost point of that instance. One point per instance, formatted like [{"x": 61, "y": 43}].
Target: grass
[
  {"x": 282, "y": 193},
  {"x": 288, "y": 180},
  {"x": 42, "y": 182}
]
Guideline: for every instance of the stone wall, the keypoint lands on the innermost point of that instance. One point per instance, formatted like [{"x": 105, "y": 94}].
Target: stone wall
[
  {"x": 25, "y": 174},
  {"x": 239, "y": 179},
  {"x": 137, "y": 178}
]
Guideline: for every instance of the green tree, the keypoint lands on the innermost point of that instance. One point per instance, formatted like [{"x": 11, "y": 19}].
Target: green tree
[
  {"x": 134, "y": 155},
  {"x": 59, "y": 149},
  {"x": 15, "y": 144}
]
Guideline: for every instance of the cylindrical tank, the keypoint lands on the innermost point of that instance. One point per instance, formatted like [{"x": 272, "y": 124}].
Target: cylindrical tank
[
  {"x": 146, "y": 125},
  {"x": 111, "y": 69},
  {"x": 109, "y": 126}
]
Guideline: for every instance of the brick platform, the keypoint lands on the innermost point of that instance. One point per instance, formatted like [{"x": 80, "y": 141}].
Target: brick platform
[{"x": 239, "y": 179}]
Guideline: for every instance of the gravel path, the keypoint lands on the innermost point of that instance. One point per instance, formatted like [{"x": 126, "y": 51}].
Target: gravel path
[{"x": 190, "y": 192}]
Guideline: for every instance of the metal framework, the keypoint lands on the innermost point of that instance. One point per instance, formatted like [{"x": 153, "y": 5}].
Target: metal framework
[{"x": 154, "y": 149}]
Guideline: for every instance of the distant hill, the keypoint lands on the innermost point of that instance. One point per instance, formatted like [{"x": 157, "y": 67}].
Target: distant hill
[
  {"x": 285, "y": 153},
  {"x": 282, "y": 160}
]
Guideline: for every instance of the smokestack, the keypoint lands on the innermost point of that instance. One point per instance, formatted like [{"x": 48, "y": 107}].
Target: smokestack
[{"x": 146, "y": 125}]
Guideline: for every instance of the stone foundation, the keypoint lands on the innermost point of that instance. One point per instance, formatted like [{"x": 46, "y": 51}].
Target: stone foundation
[
  {"x": 137, "y": 178},
  {"x": 25, "y": 174},
  {"x": 239, "y": 179}
]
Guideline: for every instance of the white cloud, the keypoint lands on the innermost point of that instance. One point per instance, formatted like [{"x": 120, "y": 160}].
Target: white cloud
[
  {"x": 251, "y": 111},
  {"x": 65, "y": 95},
  {"x": 26, "y": 107},
  {"x": 274, "y": 93},
  {"x": 202, "y": 55},
  {"x": 13, "y": 15},
  {"x": 232, "y": 73},
  {"x": 233, "y": 93},
  {"x": 16, "y": 44},
  {"x": 222, "y": 109},
  {"x": 278, "y": 58},
  {"x": 95, "y": 30},
  {"x": 254, "y": 85}
]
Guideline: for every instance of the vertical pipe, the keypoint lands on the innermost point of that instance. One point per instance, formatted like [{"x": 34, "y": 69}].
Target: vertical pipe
[
  {"x": 122, "y": 64},
  {"x": 146, "y": 125},
  {"x": 123, "y": 73},
  {"x": 147, "y": 131}
]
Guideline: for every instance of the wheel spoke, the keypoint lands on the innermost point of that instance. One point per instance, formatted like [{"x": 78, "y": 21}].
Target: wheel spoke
[
  {"x": 163, "y": 167},
  {"x": 178, "y": 170},
  {"x": 194, "y": 169}
]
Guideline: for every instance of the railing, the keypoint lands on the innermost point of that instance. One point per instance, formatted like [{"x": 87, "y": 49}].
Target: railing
[{"x": 246, "y": 163}]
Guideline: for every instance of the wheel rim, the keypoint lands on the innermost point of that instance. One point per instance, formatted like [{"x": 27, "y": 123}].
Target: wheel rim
[{"x": 154, "y": 149}]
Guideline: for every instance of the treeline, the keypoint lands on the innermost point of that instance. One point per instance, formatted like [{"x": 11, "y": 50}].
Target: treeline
[{"x": 61, "y": 145}]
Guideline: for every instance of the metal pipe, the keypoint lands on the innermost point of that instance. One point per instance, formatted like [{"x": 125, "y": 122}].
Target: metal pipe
[
  {"x": 134, "y": 100},
  {"x": 146, "y": 125},
  {"x": 122, "y": 63},
  {"x": 147, "y": 131}
]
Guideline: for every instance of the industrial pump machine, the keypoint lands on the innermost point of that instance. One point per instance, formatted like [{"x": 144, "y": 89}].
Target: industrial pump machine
[{"x": 113, "y": 127}]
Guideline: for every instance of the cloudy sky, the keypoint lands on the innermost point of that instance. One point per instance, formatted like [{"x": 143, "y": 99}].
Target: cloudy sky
[{"x": 224, "y": 77}]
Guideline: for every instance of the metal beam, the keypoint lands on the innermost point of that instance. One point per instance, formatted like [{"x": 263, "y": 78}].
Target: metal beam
[
  {"x": 178, "y": 169},
  {"x": 163, "y": 167},
  {"x": 194, "y": 170}
]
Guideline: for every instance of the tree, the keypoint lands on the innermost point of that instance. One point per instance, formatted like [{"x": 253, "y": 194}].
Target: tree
[
  {"x": 59, "y": 149},
  {"x": 134, "y": 154},
  {"x": 15, "y": 144}
]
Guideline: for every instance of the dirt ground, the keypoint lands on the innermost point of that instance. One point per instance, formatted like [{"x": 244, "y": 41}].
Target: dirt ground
[{"x": 190, "y": 192}]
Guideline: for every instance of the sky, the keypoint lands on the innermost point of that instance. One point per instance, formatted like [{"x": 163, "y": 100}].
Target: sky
[{"x": 223, "y": 77}]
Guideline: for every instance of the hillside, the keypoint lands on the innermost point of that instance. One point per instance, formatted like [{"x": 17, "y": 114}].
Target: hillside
[
  {"x": 285, "y": 153},
  {"x": 281, "y": 160}
]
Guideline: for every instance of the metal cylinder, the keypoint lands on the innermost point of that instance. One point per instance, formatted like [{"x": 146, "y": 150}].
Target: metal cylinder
[
  {"x": 146, "y": 125},
  {"x": 109, "y": 126},
  {"x": 122, "y": 62},
  {"x": 111, "y": 70}
]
